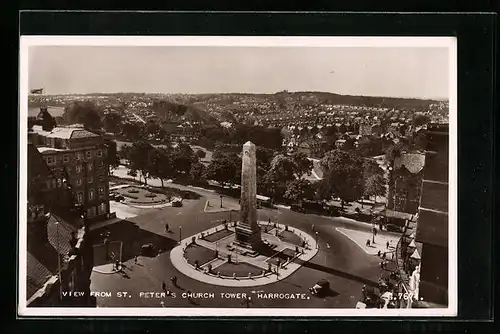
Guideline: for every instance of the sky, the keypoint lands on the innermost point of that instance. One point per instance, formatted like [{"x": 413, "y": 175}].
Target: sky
[{"x": 370, "y": 71}]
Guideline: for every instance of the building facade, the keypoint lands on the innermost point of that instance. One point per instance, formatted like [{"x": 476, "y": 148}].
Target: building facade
[
  {"x": 59, "y": 255},
  {"x": 432, "y": 224},
  {"x": 77, "y": 159},
  {"x": 405, "y": 180}
]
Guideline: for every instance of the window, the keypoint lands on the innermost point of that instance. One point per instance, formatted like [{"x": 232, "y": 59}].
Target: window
[
  {"x": 101, "y": 190},
  {"x": 88, "y": 154},
  {"x": 51, "y": 160},
  {"x": 90, "y": 179},
  {"x": 78, "y": 168},
  {"x": 101, "y": 179},
  {"x": 78, "y": 182},
  {"x": 66, "y": 158},
  {"x": 100, "y": 163},
  {"x": 101, "y": 209},
  {"x": 59, "y": 182},
  {"x": 89, "y": 166},
  {"x": 91, "y": 194},
  {"x": 80, "y": 197},
  {"x": 99, "y": 153},
  {"x": 78, "y": 155}
]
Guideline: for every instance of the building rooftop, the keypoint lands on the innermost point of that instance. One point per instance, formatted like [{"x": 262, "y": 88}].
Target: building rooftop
[
  {"x": 42, "y": 258},
  {"x": 65, "y": 132},
  {"x": 413, "y": 162}
]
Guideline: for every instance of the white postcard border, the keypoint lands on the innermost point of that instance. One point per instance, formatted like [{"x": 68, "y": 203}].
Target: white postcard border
[{"x": 237, "y": 41}]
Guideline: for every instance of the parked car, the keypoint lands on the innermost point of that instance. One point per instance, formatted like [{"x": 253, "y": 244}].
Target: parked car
[
  {"x": 148, "y": 249},
  {"x": 320, "y": 288},
  {"x": 394, "y": 228}
]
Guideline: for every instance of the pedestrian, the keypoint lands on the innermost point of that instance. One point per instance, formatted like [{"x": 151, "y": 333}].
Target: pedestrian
[
  {"x": 387, "y": 245},
  {"x": 378, "y": 253},
  {"x": 135, "y": 259},
  {"x": 382, "y": 265},
  {"x": 167, "y": 228},
  {"x": 383, "y": 256},
  {"x": 368, "y": 242},
  {"x": 163, "y": 286}
]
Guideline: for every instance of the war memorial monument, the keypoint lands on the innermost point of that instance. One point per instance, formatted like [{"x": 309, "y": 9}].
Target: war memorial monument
[{"x": 247, "y": 252}]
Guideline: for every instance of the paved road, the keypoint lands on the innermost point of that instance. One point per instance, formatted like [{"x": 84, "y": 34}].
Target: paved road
[{"x": 339, "y": 260}]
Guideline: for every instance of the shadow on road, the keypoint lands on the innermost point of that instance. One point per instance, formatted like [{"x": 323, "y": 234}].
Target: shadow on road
[
  {"x": 132, "y": 238},
  {"x": 336, "y": 272}
]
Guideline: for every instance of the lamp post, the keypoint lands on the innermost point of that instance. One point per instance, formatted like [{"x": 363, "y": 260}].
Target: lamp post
[
  {"x": 317, "y": 245},
  {"x": 180, "y": 234},
  {"x": 221, "y": 201}
]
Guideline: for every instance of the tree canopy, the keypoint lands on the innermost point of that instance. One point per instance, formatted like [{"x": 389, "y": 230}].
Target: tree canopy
[
  {"x": 83, "y": 112},
  {"x": 342, "y": 175}
]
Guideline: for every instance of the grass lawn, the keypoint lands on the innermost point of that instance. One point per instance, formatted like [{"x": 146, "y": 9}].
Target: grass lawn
[
  {"x": 291, "y": 238},
  {"x": 239, "y": 269},
  {"x": 137, "y": 195},
  {"x": 198, "y": 253},
  {"x": 218, "y": 235}
]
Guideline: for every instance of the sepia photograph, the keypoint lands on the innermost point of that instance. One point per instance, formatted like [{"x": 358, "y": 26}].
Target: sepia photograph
[{"x": 237, "y": 176}]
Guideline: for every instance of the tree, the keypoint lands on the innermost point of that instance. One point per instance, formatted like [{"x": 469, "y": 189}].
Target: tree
[
  {"x": 298, "y": 190},
  {"x": 112, "y": 158},
  {"x": 112, "y": 122},
  {"x": 183, "y": 157},
  {"x": 371, "y": 168},
  {"x": 392, "y": 152},
  {"x": 223, "y": 168},
  {"x": 83, "y": 112},
  {"x": 161, "y": 164},
  {"x": 419, "y": 120},
  {"x": 342, "y": 176},
  {"x": 375, "y": 186},
  {"x": 140, "y": 157},
  {"x": 197, "y": 172},
  {"x": 302, "y": 164},
  {"x": 131, "y": 131},
  {"x": 152, "y": 129}
]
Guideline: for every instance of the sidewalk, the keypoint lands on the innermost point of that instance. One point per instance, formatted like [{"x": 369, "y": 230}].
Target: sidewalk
[
  {"x": 360, "y": 237},
  {"x": 210, "y": 206}
]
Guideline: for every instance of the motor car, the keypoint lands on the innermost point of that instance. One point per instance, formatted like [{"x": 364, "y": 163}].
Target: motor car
[
  {"x": 320, "y": 288},
  {"x": 119, "y": 198},
  {"x": 148, "y": 249},
  {"x": 393, "y": 228},
  {"x": 177, "y": 204}
]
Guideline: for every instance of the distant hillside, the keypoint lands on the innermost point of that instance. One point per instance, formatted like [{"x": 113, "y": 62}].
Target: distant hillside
[
  {"x": 174, "y": 112},
  {"x": 370, "y": 101}
]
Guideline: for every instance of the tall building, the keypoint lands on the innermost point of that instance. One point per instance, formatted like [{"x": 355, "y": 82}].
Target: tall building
[
  {"x": 59, "y": 257},
  {"x": 77, "y": 160},
  {"x": 432, "y": 223},
  {"x": 405, "y": 182}
]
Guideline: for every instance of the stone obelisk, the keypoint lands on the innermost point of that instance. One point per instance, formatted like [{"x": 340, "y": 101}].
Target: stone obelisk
[{"x": 248, "y": 231}]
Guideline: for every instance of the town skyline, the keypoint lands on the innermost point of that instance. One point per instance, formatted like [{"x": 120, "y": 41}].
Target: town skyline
[{"x": 416, "y": 73}]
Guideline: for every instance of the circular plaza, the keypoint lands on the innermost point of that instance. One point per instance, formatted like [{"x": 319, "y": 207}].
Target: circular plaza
[{"x": 214, "y": 256}]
